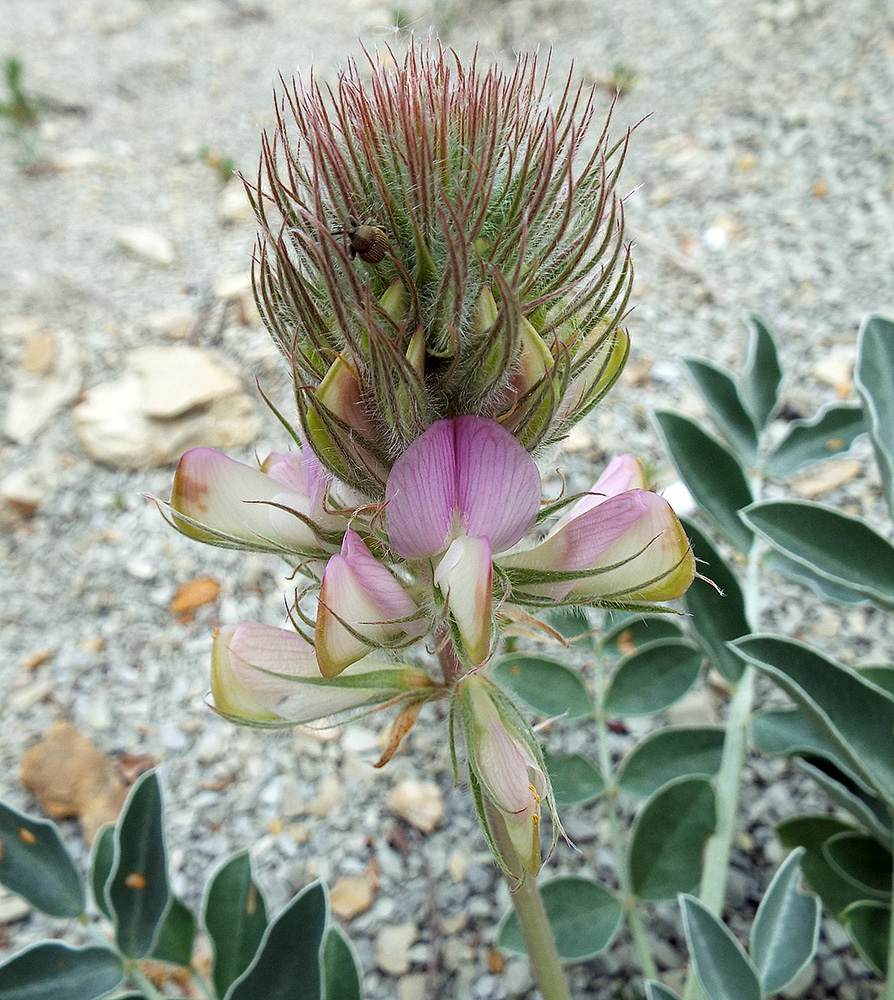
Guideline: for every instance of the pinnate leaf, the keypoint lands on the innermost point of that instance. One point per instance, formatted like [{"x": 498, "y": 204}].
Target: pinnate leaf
[
  {"x": 668, "y": 839},
  {"x": 875, "y": 383},
  {"x": 54, "y": 970},
  {"x": 287, "y": 963},
  {"x": 723, "y": 969},
  {"x": 137, "y": 889},
  {"x": 654, "y": 677},
  {"x": 235, "y": 916},
  {"x": 713, "y": 475},
  {"x": 842, "y": 549}
]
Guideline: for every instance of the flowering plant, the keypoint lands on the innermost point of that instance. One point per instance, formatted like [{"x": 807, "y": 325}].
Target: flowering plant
[{"x": 437, "y": 346}]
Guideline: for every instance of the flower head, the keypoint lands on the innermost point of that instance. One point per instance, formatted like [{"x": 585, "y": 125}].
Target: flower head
[{"x": 432, "y": 248}]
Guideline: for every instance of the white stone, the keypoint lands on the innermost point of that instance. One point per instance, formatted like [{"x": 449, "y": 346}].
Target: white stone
[
  {"x": 233, "y": 204},
  {"x": 697, "y": 708},
  {"x": 146, "y": 244},
  {"x": 168, "y": 400},
  {"x": 176, "y": 323},
  {"x": 420, "y": 803},
  {"x": 36, "y": 397},
  {"x": 12, "y": 908},
  {"x": 393, "y": 948},
  {"x": 177, "y": 379},
  {"x": 412, "y": 987}
]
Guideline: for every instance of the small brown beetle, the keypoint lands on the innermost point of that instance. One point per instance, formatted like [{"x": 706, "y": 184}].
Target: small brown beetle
[{"x": 369, "y": 242}]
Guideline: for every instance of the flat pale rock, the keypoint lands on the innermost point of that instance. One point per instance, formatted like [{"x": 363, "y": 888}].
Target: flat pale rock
[
  {"x": 146, "y": 244},
  {"x": 828, "y": 476},
  {"x": 47, "y": 379},
  {"x": 169, "y": 399},
  {"x": 420, "y": 803},
  {"x": 236, "y": 289},
  {"x": 21, "y": 494},
  {"x": 175, "y": 323},
  {"x": 351, "y": 896},
  {"x": 179, "y": 378},
  {"x": 412, "y": 986},
  {"x": 393, "y": 948},
  {"x": 697, "y": 708},
  {"x": 71, "y": 777}
]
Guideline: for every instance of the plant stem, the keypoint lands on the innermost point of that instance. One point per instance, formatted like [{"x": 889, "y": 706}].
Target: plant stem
[
  {"x": 729, "y": 780},
  {"x": 532, "y": 919},
  {"x": 451, "y": 666},
  {"x": 135, "y": 973},
  {"x": 634, "y": 923}
]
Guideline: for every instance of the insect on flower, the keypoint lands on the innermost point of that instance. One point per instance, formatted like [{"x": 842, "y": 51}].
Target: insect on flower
[{"x": 366, "y": 241}]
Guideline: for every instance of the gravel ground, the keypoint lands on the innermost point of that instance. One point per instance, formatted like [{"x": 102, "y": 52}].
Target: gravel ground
[{"x": 763, "y": 183}]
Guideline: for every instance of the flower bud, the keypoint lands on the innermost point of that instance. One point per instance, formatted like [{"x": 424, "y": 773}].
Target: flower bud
[
  {"x": 361, "y": 606},
  {"x": 268, "y": 677},
  {"x": 506, "y": 767},
  {"x": 218, "y": 500}
]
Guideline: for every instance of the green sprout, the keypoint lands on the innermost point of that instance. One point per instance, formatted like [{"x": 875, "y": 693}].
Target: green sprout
[{"x": 19, "y": 108}]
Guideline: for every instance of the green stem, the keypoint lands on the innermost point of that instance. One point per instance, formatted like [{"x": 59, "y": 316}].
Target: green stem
[
  {"x": 532, "y": 919},
  {"x": 135, "y": 973},
  {"x": 729, "y": 780},
  {"x": 610, "y": 797}
]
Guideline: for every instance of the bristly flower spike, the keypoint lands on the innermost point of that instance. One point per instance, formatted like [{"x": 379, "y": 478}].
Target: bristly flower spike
[{"x": 500, "y": 274}]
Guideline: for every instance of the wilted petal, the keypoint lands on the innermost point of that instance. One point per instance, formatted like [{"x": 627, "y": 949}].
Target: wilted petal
[
  {"x": 262, "y": 675},
  {"x": 635, "y": 532},
  {"x": 465, "y": 576},
  {"x": 466, "y": 475},
  {"x": 358, "y": 590},
  {"x": 235, "y": 503},
  {"x": 623, "y": 472}
]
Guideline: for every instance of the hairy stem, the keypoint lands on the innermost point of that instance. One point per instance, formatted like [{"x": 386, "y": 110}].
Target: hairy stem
[
  {"x": 451, "y": 667},
  {"x": 528, "y": 903}
]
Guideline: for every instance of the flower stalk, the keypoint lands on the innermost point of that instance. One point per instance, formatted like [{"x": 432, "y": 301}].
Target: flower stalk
[{"x": 528, "y": 903}]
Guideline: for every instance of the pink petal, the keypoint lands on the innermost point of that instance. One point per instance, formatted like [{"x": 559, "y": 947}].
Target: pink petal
[
  {"x": 463, "y": 474},
  {"x": 262, "y": 674},
  {"x": 231, "y": 498},
  {"x": 360, "y": 591},
  {"x": 498, "y": 483},
  {"x": 465, "y": 576},
  {"x": 420, "y": 494},
  {"x": 387, "y": 594},
  {"x": 637, "y": 530},
  {"x": 624, "y": 472},
  {"x": 286, "y": 467}
]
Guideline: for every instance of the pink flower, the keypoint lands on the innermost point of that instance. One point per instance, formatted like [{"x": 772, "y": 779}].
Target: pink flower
[
  {"x": 278, "y": 508},
  {"x": 462, "y": 491},
  {"x": 268, "y": 677},
  {"x": 618, "y": 545},
  {"x": 361, "y": 606},
  {"x": 506, "y": 765}
]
